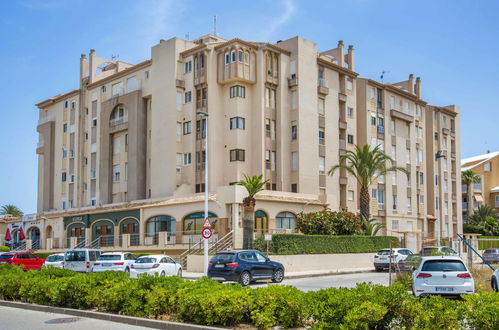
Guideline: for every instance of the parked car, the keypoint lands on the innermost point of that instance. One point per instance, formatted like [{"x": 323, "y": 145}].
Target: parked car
[
  {"x": 244, "y": 267},
  {"x": 28, "y": 260},
  {"x": 437, "y": 251},
  {"x": 81, "y": 260},
  {"x": 382, "y": 257},
  {"x": 159, "y": 264},
  {"x": 442, "y": 275},
  {"x": 491, "y": 255},
  {"x": 494, "y": 280},
  {"x": 114, "y": 261},
  {"x": 410, "y": 263},
  {"x": 55, "y": 260}
]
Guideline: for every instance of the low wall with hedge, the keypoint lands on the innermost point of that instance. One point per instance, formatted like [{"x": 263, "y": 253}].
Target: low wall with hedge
[
  {"x": 210, "y": 303},
  {"x": 325, "y": 244},
  {"x": 488, "y": 242}
]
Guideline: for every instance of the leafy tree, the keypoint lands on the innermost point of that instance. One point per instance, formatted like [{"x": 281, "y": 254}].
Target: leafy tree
[
  {"x": 253, "y": 184},
  {"x": 469, "y": 177},
  {"x": 371, "y": 227},
  {"x": 366, "y": 165},
  {"x": 327, "y": 222},
  {"x": 12, "y": 210},
  {"x": 481, "y": 214}
]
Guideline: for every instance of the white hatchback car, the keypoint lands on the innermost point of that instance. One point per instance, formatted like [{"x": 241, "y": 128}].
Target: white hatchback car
[
  {"x": 382, "y": 257},
  {"x": 442, "y": 275},
  {"x": 114, "y": 261},
  {"x": 160, "y": 264},
  {"x": 55, "y": 260}
]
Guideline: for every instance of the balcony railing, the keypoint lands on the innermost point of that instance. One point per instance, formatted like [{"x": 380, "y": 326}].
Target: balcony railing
[
  {"x": 322, "y": 82},
  {"x": 118, "y": 121},
  {"x": 46, "y": 119}
]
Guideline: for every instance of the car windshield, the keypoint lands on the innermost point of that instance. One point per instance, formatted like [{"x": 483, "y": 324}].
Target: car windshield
[
  {"x": 145, "y": 260},
  {"x": 75, "y": 256},
  {"x": 443, "y": 266},
  {"x": 109, "y": 257},
  {"x": 223, "y": 258},
  {"x": 55, "y": 258},
  {"x": 491, "y": 251},
  {"x": 6, "y": 256}
]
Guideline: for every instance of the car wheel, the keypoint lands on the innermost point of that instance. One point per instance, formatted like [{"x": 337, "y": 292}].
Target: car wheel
[
  {"x": 245, "y": 278},
  {"x": 127, "y": 270},
  {"x": 278, "y": 276},
  {"x": 495, "y": 286},
  {"x": 179, "y": 273},
  {"x": 162, "y": 274},
  {"x": 378, "y": 269}
]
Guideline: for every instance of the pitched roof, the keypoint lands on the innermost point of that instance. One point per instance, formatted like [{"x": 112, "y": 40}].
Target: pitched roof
[{"x": 477, "y": 160}]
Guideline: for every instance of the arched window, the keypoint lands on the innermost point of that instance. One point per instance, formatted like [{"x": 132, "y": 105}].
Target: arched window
[
  {"x": 103, "y": 231},
  {"x": 261, "y": 222},
  {"x": 246, "y": 57},
  {"x": 233, "y": 56},
  {"x": 269, "y": 65},
  {"x": 161, "y": 223},
  {"x": 240, "y": 56},
  {"x": 118, "y": 116},
  {"x": 226, "y": 58},
  {"x": 129, "y": 226},
  {"x": 193, "y": 223},
  {"x": 285, "y": 220}
]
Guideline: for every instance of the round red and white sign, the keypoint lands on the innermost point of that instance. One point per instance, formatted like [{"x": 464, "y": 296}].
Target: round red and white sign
[{"x": 206, "y": 233}]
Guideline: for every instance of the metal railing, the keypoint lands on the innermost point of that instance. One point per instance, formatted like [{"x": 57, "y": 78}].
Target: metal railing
[
  {"x": 36, "y": 245},
  {"x": 134, "y": 239},
  {"x": 118, "y": 121},
  {"x": 19, "y": 246},
  {"x": 322, "y": 82},
  {"x": 216, "y": 245}
]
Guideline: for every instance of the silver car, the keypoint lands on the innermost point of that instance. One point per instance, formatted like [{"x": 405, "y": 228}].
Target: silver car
[{"x": 55, "y": 260}]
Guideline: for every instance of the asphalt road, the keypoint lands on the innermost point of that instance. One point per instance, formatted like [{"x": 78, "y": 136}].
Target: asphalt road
[
  {"x": 333, "y": 281},
  {"x": 22, "y": 319}
]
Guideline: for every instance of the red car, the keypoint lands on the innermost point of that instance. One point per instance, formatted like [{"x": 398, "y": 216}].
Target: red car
[{"x": 28, "y": 260}]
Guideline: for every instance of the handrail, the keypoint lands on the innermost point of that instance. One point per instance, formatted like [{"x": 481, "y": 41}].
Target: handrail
[{"x": 91, "y": 245}]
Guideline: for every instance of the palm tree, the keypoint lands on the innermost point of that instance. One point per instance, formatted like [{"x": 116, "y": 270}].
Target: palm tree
[
  {"x": 481, "y": 214},
  {"x": 370, "y": 227},
  {"x": 12, "y": 210},
  {"x": 253, "y": 184},
  {"x": 366, "y": 165},
  {"x": 469, "y": 177}
]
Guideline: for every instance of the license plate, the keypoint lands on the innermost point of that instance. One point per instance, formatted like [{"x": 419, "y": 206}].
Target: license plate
[
  {"x": 219, "y": 266},
  {"x": 444, "y": 289},
  {"x": 106, "y": 265}
]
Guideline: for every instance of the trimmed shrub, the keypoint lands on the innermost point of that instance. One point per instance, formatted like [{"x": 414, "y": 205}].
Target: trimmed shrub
[
  {"x": 323, "y": 244},
  {"x": 327, "y": 222},
  {"x": 4, "y": 248}
]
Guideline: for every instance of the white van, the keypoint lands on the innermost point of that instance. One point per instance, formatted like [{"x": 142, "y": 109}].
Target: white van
[{"x": 81, "y": 260}]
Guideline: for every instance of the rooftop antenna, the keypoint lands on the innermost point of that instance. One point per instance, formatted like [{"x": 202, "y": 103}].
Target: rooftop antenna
[
  {"x": 215, "y": 25},
  {"x": 383, "y": 74}
]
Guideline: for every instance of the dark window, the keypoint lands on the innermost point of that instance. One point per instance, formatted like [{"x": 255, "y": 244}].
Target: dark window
[
  {"x": 379, "y": 98},
  {"x": 187, "y": 127},
  {"x": 237, "y": 123},
  {"x": 350, "y": 139},
  {"x": 202, "y": 61},
  {"x": 65, "y": 127},
  {"x": 274, "y": 186},
  {"x": 294, "y": 132},
  {"x": 237, "y": 91},
  {"x": 443, "y": 266},
  {"x": 237, "y": 155},
  {"x": 294, "y": 187},
  {"x": 63, "y": 176},
  {"x": 188, "y": 97},
  {"x": 66, "y": 105}
]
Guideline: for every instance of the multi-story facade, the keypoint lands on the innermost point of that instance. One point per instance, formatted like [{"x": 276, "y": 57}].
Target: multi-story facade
[
  {"x": 485, "y": 192},
  {"x": 122, "y": 158}
]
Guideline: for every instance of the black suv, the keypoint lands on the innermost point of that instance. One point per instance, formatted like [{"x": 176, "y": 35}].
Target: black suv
[{"x": 244, "y": 266}]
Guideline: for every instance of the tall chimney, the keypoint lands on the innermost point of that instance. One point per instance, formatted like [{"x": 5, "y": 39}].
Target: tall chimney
[
  {"x": 351, "y": 58},
  {"x": 93, "y": 66},
  {"x": 418, "y": 87},
  {"x": 341, "y": 55},
  {"x": 411, "y": 83},
  {"x": 83, "y": 66}
]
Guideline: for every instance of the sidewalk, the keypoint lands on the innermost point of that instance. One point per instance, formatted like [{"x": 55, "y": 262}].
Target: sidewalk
[{"x": 290, "y": 275}]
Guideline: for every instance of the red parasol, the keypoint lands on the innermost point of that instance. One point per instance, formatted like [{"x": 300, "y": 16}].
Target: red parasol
[
  {"x": 21, "y": 234},
  {"x": 7, "y": 235}
]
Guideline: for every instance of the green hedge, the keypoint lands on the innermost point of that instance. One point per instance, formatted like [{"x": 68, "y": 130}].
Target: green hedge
[
  {"x": 323, "y": 244},
  {"x": 208, "y": 302},
  {"x": 4, "y": 248},
  {"x": 482, "y": 245}
]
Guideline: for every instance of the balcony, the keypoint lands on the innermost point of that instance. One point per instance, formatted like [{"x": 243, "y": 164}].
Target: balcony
[
  {"x": 118, "y": 121},
  {"x": 40, "y": 148},
  {"x": 342, "y": 124},
  {"x": 180, "y": 83},
  {"x": 445, "y": 131},
  {"x": 401, "y": 115},
  {"x": 453, "y": 155},
  {"x": 343, "y": 144},
  {"x": 45, "y": 119},
  {"x": 323, "y": 87},
  {"x": 342, "y": 97},
  {"x": 293, "y": 81}
]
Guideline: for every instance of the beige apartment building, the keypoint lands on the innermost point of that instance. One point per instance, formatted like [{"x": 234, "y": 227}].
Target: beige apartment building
[
  {"x": 485, "y": 192},
  {"x": 122, "y": 159}
]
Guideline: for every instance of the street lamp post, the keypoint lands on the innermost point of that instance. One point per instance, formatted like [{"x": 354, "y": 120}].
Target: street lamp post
[
  {"x": 205, "y": 258},
  {"x": 439, "y": 155}
]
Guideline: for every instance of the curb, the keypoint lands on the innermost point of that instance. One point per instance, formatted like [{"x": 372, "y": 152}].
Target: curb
[
  {"x": 137, "y": 321},
  {"x": 296, "y": 276}
]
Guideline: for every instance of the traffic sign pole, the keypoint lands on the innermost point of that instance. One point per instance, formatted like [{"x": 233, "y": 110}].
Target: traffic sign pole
[{"x": 206, "y": 194}]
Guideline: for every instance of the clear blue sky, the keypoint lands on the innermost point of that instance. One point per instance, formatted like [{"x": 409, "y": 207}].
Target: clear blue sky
[{"x": 452, "y": 45}]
